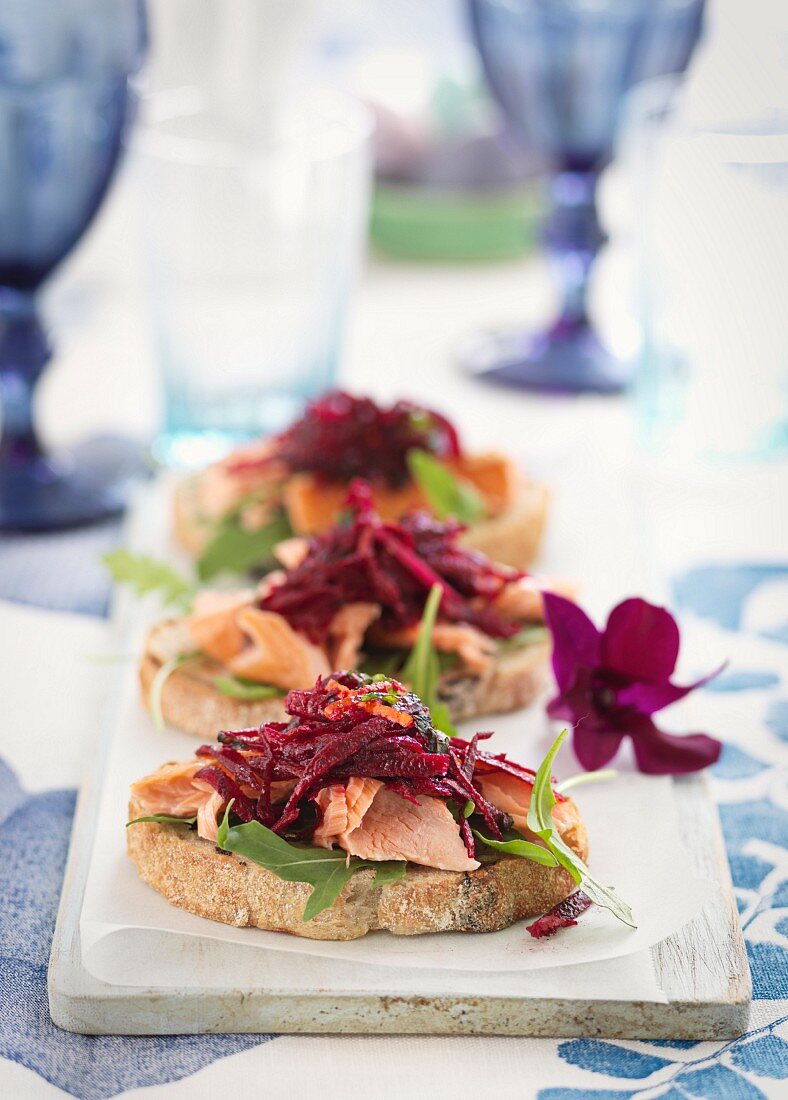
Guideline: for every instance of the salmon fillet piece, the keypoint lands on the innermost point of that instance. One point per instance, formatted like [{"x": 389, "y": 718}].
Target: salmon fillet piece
[
  {"x": 343, "y": 808},
  {"x": 312, "y": 504},
  {"x": 214, "y": 624},
  {"x": 259, "y": 645},
  {"x": 172, "y": 789},
  {"x": 223, "y": 488},
  {"x": 513, "y": 796},
  {"x": 277, "y": 654},
  {"x": 394, "y": 828},
  {"x": 291, "y": 552},
  {"x": 475, "y": 648},
  {"x": 522, "y": 599},
  {"x": 347, "y": 631}
]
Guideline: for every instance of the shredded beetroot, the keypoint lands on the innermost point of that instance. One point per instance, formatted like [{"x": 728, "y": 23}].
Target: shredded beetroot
[
  {"x": 324, "y": 744},
  {"x": 560, "y": 916},
  {"x": 341, "y": 437},
  {"x": 364, "y": 560}
]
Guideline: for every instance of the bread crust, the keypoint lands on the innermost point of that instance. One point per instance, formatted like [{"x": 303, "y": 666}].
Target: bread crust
[
  {"x": 512, "y": 538},
  {"x": 193, "y": 874},
  {"x": 191, "y": 702},
  {"x": 515, "y": 536}
]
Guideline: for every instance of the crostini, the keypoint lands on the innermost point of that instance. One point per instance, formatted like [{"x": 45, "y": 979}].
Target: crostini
[
  {"x": 355, "y": 595},
  {"x": 230, "y": 515},
  {"x": 358, "y": 814}
]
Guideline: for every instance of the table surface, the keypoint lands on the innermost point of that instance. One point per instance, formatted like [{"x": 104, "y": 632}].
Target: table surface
[{"x": 731, "y": 575}]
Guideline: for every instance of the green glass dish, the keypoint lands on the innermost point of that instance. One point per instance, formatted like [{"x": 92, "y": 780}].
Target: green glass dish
[{"x": 420, "y": 224}]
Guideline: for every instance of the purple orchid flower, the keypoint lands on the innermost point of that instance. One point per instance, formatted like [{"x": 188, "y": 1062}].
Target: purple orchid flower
[{"x": 611, "y": 682}]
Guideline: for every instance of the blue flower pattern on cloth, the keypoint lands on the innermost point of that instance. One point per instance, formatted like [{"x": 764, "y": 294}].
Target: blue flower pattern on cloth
[{"x": 34, "y": 831}]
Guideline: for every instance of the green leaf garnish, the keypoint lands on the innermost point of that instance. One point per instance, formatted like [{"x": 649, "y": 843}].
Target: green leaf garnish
[
  {"x": 582, "y": 778},
  {"x": 529, "y": 635},
  {"x": 540, "y": 821},
  {"x": 146, "y": 574},
  {"x": 515, "y": 845},
  {"x": 382, "y": 664},
  {"x": 163, "y": 819},
  {"x": 386, "y": 870},
  {"x": 422, "y": 669},
  {"x": 325, "y": 869},
  {"x": 233, "y": 549},
  {"x": 447, "y": 495},
  {"x": 160, "y": 679},
  {"x": 250, "y": 691}
]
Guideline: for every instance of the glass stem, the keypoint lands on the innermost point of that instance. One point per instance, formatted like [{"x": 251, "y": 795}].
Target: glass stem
[
  {"x": 24, "y": 352},
  {"x": 573, "y": 237}
]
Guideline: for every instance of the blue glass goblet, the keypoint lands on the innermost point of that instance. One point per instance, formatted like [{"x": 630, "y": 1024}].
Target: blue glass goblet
[
  {"x": 65, "y": 105},
  {"x": 560, "y": 69}
]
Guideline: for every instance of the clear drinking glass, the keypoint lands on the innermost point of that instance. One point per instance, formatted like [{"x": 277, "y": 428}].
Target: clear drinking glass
[
  {"x": 712, "y": 263},
  {"x": 253, "y": 243}
]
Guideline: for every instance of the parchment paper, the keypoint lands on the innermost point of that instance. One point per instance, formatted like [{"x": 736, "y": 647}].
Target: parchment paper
[{"x": 635, "y": 844}]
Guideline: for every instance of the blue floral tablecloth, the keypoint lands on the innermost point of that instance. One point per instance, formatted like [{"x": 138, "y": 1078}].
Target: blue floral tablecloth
[{"x": 748, "y": 603}]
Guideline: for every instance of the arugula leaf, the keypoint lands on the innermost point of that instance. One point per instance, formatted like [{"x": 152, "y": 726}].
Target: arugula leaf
[
  {"x": 146, "y": 574},
  {"x": 385, "y": 664},
  {"x": 386, "y": 870},
  {"x": 250, "y": 691},
  {"x": 540, "y": 821},
  {"x": 233, "y": 549},
  {"x": 529, "y": 635},
  {"x": 163, "y": 819},
  {"x": 582, "y": 778},
  {"x": 160, "y": 679},
  {"x": 422, "y": 669},
  {"x": 446, "y": 494},
  {"x": 327, "y": 870},
  {"x": 515, "y": 845}
]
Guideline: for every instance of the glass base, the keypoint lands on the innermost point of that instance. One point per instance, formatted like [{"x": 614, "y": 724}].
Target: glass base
[
  {"x": 553, "y": 362},
  {"x": 68, "y": 489}
]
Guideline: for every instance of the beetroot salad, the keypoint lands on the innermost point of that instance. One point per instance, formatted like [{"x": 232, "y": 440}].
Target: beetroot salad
[
  {"x": 352, "y": 726},
  {"x": 341, "y": 437},
  {"x": 363, "y": 559}
]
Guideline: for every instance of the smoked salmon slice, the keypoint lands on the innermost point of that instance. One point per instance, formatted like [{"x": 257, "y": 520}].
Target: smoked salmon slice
[{"x": 394, "y": 828}]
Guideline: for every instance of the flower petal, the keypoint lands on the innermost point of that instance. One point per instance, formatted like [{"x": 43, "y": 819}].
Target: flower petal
[
  {"x": 576, "y": 641},
  {"x": 660, "y": 753},
  {"x": 641, "y": 641},
  {"x": 648, "y": 698},
  {"x": 595, "y": 745}
]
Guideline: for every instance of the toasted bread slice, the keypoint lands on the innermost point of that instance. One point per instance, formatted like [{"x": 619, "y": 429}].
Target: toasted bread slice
[
  {"x": 512, "y": 537},
  {"x": 191, "y": 527},
  {"x": 190, "y": 700},
  {"x": 193, "y": 874},
  {"x": 515, "y": 536}
]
